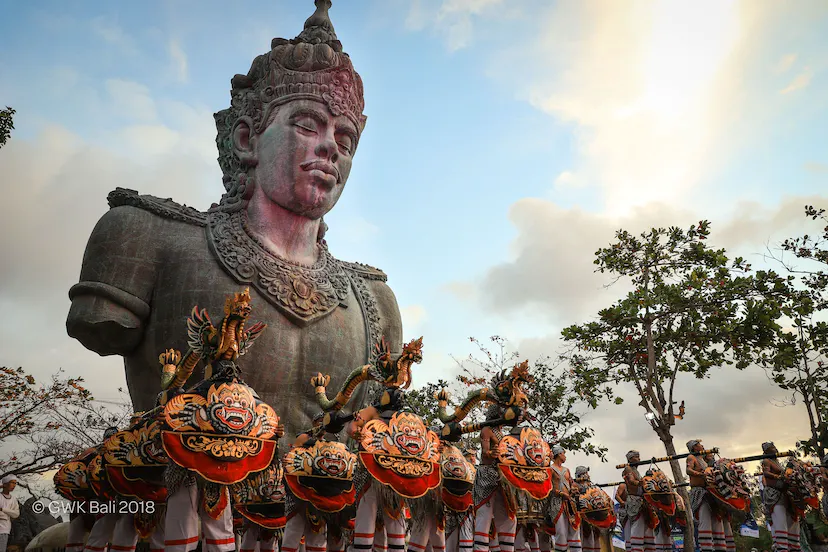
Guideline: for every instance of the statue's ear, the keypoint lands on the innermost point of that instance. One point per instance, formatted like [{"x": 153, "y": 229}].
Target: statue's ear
[{"x": 244, "y": 141}]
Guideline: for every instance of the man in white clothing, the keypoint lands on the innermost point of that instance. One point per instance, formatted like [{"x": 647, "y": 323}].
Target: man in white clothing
[{"x": 9, "y": 510}]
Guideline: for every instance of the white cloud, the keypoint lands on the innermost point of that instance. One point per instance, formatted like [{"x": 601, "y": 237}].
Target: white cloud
[
  {"x": 47, "y": 216},
  {"x": 131, "y": 99},
  {"x": 453, "y": 19},
  {"x": 568, "y": 180},
  {"x": 799, "y": 82},
  {"x": 111, "y": 32},
  {"x": 413, "y": 317},
  {"x": 785, "y": 63},
  {"x": 552, "y": 273},
  {"x": 178, "y": 62}
]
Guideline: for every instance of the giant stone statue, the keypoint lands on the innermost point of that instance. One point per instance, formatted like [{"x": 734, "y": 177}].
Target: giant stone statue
[{"x": 286, "y": 145}]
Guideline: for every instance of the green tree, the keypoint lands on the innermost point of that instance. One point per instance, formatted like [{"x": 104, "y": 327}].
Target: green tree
[
  {"x": 553, "y": 400},
  {"x": 690, "y": 309},
  {"x": 6, "y": 124},
  {"x": 423, "y": 402},
  {"x": 44, "y": 425},
  {"x": 797, "y": 364}
]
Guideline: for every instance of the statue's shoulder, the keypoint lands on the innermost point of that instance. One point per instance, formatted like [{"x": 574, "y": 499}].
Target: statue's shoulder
[
  {"x": 365, "y": 271},
  {"x": 164, "y": 208}
]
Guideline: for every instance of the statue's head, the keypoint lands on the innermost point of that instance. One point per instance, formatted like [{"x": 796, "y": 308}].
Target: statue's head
[{"x": 294, "y": 123}]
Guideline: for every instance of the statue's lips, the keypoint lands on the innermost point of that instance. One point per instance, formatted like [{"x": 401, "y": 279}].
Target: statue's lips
[{"x": 323, "y": 167}]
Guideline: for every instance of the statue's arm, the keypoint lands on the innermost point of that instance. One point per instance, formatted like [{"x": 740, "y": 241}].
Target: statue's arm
[
  {"x": 390, "y": 317},
  {"x": 111, "y": 302}
]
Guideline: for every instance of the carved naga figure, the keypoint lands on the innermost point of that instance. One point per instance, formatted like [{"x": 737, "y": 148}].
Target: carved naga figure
[
  {"x": 506, "y": 389},
  {"x": 390, "y": 373},
  {"x": 399, "y": 456},
  {"x": 228, "y": 341},
  {"x": 216, "y": 434}
]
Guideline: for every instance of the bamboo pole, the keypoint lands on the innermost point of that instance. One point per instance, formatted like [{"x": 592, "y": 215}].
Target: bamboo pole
[{"x": 666, "y": 458}]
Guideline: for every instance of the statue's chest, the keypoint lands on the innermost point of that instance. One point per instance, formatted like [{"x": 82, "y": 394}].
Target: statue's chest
[{"x": 287, "y": 352}]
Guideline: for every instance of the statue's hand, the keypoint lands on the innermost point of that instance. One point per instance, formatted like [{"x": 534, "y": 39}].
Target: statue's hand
[{"x": 320, "y": 381}]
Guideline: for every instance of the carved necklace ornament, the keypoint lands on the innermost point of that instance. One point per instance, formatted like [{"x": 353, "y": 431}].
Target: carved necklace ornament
[
  {"x": 302, "y": 293},
  {"x": 232, "y": 239}
]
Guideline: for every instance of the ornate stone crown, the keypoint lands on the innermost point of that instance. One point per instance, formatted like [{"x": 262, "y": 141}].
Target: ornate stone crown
[{"x": 311, "y": 66}]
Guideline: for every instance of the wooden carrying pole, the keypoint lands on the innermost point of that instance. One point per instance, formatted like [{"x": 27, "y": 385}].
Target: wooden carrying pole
[{"x": 666, "y": 458}]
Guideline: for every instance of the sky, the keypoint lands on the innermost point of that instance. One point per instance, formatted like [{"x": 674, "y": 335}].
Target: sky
[{"x": 506, "y": 142}]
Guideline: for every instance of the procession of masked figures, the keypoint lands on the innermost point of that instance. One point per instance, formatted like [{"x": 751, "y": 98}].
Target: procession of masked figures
[{"x": 203, "y": 468}]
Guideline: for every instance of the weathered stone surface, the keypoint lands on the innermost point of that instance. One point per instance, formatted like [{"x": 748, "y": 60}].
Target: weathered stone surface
[{"x": 286, "y": 146}]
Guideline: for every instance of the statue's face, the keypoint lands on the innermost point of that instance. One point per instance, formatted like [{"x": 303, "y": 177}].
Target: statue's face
[{"x": 303, "y": 157}]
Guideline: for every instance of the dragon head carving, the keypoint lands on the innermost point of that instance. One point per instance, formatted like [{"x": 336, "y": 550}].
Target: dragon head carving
[
  {"x": 238, "y": 305},
  {"x": 508, "y": 385},
  {"x": 397, "y": 372}
]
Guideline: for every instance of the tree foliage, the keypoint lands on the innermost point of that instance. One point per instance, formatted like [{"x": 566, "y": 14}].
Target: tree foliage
[
  {"x": 690, "y": 309},
  {"x": 552, "y": 399},
  {"x": 42, "y": 425},
  {"x": 6, "y": 124},
  {"x": 797, "y": 365}
]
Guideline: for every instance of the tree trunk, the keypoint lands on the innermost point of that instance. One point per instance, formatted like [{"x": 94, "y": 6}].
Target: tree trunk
[{"x": 663, "y": 433}]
